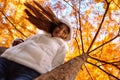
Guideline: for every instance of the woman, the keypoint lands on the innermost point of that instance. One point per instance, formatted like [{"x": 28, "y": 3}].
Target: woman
[{"x": 38, "y": 54}]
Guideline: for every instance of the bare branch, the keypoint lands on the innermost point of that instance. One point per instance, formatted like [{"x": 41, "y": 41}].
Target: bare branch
[
  {"x": 12, "y": 24},
  {"x": 88, "y": 72},
  {"x": 105, "y": 62},
  {"x": 116, "y": 4},
  {"x": 98, "y": 28},
  {"x": 119, "y": 32},
  {"x": 116, "y": 62},
  {"x": 106, "y": 1},
  {"x": 79, "y": 24},
  {"x": 103, "y": 70},
  {"x": 78, "y": 45},
  {"x": 10, "y": 32},
  {"x": 104, "y": 43},
  {"x": 72, "y": 6},
  {"x": 81, "y": 29}
]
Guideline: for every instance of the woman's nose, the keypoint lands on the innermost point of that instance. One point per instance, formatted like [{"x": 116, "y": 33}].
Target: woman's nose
[{"x": 60, "y": 32}]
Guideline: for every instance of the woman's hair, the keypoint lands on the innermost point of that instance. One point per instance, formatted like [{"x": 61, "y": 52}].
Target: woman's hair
[
  {"x": 54, "y": 25},
  {"x": 43, "y": 17}
]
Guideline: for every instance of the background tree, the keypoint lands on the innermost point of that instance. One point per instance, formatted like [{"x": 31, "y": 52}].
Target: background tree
[{"x": 96, "y": 41}]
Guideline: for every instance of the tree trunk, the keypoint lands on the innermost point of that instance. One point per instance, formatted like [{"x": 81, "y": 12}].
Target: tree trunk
[{"x": 67, "y": 71}]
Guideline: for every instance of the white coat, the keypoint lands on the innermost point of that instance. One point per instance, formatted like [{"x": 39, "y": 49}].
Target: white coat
[{"x": 40, "y": 52}]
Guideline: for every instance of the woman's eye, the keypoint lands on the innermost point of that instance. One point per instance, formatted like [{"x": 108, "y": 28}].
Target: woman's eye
[
  {"x": 64, "y": 32},
  {"x": 59, "y": 27}
]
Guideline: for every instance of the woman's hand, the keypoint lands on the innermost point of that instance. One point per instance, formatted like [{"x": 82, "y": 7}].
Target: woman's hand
[{"x": 17, "y": 41}]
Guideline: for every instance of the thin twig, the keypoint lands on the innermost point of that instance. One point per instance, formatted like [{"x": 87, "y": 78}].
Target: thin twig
[
  {"x": 81, "y": 38},
  {"x": 77, "y": 27},
  {"x": 104, "y": 43},
  {"x": 115, "y": 65},
  {"x": 12, "y": 24},
  {"x": 23, "y": 26},
  {"x": 10, "y": 32},
  {"x": 76, "y": 36},
  {"x": 105, "y": 62},
  {"x": 79, "y": 24},
  {"x": 78, "y": 45},
  {"x": 116, "y": 4},
  {"x": 88, "y": 72},
  {"x": 71, "y": 6},
  {"x": 116, "y": 62}
]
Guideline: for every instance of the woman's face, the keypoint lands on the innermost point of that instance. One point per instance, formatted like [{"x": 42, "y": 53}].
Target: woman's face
[{"x": 61, "y": 32}]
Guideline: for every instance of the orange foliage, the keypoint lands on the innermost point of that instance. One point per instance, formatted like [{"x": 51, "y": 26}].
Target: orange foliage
[{"x": 14, "y": 25}]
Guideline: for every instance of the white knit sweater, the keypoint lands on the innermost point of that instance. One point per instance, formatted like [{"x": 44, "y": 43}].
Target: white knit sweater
[{"x": 40, "y": 52}]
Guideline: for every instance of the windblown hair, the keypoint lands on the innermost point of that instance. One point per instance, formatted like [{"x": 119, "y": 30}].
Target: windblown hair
[{"x": 42, "y": 17}]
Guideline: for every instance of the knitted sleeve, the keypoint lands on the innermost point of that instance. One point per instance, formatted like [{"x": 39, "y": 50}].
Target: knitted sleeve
[{"x": 59, "y": 57}]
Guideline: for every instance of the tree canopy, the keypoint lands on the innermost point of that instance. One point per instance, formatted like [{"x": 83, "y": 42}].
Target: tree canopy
[{"x": 96, "y": 30}]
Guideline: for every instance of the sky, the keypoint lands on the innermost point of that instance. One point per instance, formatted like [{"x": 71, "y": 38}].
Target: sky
[{"x": 85, "y": 5}]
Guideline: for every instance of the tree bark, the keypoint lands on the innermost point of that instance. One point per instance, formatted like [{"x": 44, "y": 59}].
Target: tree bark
[{"x": 67, "y": 71}]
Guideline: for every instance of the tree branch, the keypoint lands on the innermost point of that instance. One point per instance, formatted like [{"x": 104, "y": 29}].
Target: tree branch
[
  {"x": 78, "y": 45},
  {"x": 88, "y": 72},
  {"x": 105, "y": 62},
  {"x": 81, "y": 38},
  {"x": 116, "y": 4},
  {"x": 103, "y": 70},
  {"x": 12, "y": 24},
  {"x": 98, "y": 28},
  {"x": 71, "y": 6},
  {"x": 104, "y": 43}
]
